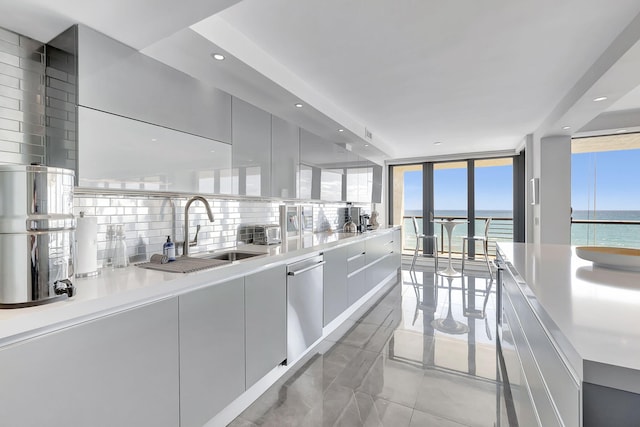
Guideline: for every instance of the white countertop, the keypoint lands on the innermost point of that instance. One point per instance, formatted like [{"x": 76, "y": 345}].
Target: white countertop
[
  {"x": 593, "y": 313},
  {"x": 119, "y": 289}
]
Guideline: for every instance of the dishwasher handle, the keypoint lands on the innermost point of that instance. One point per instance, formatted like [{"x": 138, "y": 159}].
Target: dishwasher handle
[{"x": 303, "y": 270}]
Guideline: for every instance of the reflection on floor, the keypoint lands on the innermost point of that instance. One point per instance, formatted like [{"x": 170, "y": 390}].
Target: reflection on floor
[{"x": 422, "y": 355}]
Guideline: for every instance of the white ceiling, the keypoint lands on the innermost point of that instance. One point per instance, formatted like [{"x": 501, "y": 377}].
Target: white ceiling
[{"x": 476, "y": 76}]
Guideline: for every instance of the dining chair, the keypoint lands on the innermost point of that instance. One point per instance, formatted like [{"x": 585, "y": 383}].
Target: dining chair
[
  {"x": 484, "y": 238},
  {"x": 419, "y": 236}
]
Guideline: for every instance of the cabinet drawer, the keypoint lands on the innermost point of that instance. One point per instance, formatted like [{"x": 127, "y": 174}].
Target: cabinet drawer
[
  {"x": 355, "y": 249},
  {"x": 355, "y": 262},
  {"x": 561, "y": 385},
  {"x": 517, "y": 383},
  {"x": 531, "y": 374}
]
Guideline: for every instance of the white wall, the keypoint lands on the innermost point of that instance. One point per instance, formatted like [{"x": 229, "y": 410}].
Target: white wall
[{"x": 551, "y": 164}]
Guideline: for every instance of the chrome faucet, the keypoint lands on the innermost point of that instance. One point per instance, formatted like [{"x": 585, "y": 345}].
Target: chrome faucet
[{"x": 187, "y": 242}]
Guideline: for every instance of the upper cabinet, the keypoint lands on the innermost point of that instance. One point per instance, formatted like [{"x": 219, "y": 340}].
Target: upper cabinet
[
  {"x": 310, "y": 167},
  {"x": 285, "y": 158},
  {"x": 119, "y": 153},
  {"x": 328, "y": 171},
  {"x": 251, "y": 148},
  {"x": 159, "y": 129},
  {"x": 115, "y": 78}
]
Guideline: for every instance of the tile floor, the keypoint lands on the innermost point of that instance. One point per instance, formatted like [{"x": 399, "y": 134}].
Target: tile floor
[{"x": 418, "y": 356}]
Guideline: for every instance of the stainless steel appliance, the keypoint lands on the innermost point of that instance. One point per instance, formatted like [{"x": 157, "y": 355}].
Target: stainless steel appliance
[
  {"x": 37, "y": 230},
  {"x": 304, "y": 305},
  {"x": 349, "y": 212},
  {"x": 266, "y": 234},
  {"x": 296, "y": 221}
]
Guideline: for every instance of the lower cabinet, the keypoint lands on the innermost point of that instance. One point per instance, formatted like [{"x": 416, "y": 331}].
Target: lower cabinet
[
  {"x": 336, "y": 296},
  {"x": 118, "y": 370},
  {"x": 265, "y": 322},
  {"x": 356, "y": 285},
  {"x": 212, "y": 351},
  {"x": 542, "y": 385}
]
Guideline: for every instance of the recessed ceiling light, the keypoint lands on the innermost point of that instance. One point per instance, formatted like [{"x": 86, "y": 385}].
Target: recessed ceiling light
[
  {"x": 601, "y": 98},
  {"x": 621, "y": 131},
  {"x": 437, "y": 143},
  {"x": 298, "y": 105},
  {"x": 154, "y": 139},
  {"x": 566, "y": 127},
  {"x": 366, "y": 145},
  {"x": 340, "y": 130},
  {"x": 217, "y": 56}
]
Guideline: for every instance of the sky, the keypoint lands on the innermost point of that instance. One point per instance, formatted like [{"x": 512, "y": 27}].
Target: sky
[
  {"x": 493, "y": 189},
  {"x": 612, "y": 176},
  {"x": 615, "y": 183}
]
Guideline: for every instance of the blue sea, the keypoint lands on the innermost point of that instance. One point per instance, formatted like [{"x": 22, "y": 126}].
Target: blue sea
[{"x": 618, "y": 235}]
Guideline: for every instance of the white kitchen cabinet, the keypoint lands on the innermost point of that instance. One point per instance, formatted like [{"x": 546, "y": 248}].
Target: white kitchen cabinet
[
  {"x": 322, "y": 168},
  {"x": 120, "y": 153},
  {"x": 251, "y": 148},
  {"x": 542, "y": 382},
  {"x": 359, "y": 179},
  {"x": 116, "y": 78},
  {"x": 336, "y": 296},
  {"x": 285, "y": 158},
  {"x": 118, "y": 370},
  {"x": 266, "y": 322},
  {"x": 378, "y": 259},
  {"x": 212, "y": 349},
  {"x": 356, "y": 273}
]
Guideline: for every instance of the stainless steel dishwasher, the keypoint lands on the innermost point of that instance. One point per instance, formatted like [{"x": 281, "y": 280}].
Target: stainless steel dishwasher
[{"x": 304, "y": 305}]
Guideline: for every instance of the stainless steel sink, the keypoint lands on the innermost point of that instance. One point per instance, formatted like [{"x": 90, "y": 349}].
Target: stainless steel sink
[{"x": 233, "y": 255}]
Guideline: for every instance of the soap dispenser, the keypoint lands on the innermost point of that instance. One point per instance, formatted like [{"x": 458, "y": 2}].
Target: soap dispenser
[{"x": 169, "y": 249}]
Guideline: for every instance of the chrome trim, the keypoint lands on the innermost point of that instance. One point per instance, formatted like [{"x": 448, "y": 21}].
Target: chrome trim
[{"x": 304, "y": 270}]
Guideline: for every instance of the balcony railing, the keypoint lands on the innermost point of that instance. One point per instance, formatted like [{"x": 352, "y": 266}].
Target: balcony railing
[
  {"x": 500, "y": 229},
  {"x": 601, "y": 232},
  {"x": 604, "y": 232}
]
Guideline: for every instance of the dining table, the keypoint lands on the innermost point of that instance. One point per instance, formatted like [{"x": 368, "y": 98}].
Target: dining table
[{"x": 449, "y": 225}]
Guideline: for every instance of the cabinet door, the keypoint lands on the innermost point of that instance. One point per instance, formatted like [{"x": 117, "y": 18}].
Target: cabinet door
[
  {"x": 117, "y": 152},
  {"x": 285, "y": 158},
  {"x": 212, "y": 363},
  {"x": 266, "y": 322},
  {"x": 336, "y": 297},
  {"x": 118, "y": 79},
  {"x": 316, "y": 157},
  {"x": 251, "y": 148},
  {"x": 119, "y": 370},
  {"x": 356, "y": 285}
]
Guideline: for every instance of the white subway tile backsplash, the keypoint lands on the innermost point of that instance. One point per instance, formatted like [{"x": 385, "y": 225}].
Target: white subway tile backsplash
[{"x": 148, "y": 220}]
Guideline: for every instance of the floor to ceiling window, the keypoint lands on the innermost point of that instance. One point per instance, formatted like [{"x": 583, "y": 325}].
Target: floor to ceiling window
[
  {"x": 472, "y": 190},
  {"x": 605, "y": 197},
  {"x": 493, "y": 184},
  {"x": 450, "y": 200},
  {"x": 406, "y": 202}
]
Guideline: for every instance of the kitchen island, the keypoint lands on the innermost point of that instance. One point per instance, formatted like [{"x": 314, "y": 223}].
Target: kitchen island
[
  {"x": 143, "y": 347},
  {"x": 569, "y": 337}
]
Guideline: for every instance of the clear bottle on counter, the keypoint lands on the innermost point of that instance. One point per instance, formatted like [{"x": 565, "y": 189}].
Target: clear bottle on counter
[
  {"x": 120, "y": 258},
  {"x": 109, "y": 251}
]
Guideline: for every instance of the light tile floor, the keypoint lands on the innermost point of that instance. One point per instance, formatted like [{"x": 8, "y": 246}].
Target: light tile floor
[{"x": 419, "y": 356}]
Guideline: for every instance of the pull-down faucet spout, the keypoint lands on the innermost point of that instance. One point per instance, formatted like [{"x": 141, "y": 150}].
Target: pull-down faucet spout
[{"x": 187, "y": 243}]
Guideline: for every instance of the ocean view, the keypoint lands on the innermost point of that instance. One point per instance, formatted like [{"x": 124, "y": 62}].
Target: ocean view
[{"x": 618, "y": 235}]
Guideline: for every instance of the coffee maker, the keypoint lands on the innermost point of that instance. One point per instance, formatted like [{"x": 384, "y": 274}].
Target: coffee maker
[{"x": 349, "y": 212}]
